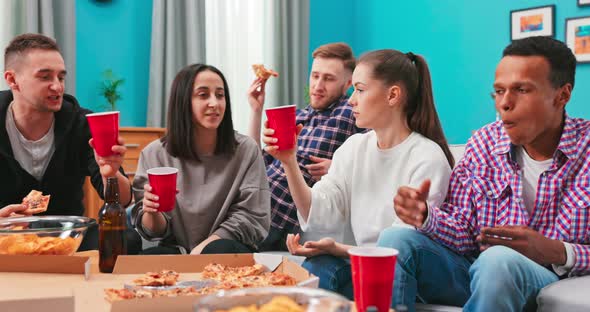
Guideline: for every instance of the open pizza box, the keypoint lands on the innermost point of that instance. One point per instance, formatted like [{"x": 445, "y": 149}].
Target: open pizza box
[
  {"x": 188, "y": 265},
  {"x": 45, "y": 264}
]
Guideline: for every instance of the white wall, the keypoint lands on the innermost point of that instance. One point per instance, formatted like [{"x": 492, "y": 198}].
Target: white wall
[{"x": 5, "y": 35}]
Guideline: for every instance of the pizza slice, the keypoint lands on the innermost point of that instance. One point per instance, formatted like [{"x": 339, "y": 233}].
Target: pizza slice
[
  {"x": 279, "y": 279},
  {"x": 262, "y": 72},
  {"x": 162, "y": 278},
  {"x": 221, "y": 272},
  {"x": 113, "y": 295},
  {"x": 36, "y": 202},
  {"x": 213, "y": 271}
]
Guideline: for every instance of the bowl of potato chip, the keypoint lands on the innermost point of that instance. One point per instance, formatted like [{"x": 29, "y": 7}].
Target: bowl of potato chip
[
  {"x": 275, "y": 299},
  {"x": 42, "y": 235}
]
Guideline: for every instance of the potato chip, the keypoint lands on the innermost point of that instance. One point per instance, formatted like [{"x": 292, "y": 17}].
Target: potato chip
[
  {"x": 276, "y": 304},
  {"x": 32, "y": 244}
]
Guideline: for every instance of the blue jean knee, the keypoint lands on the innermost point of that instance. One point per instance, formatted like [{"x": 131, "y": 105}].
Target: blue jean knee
[
  {"x": 506, "y": 280},
  {"x": 422, "y": 266},
  {"x": 334, "y": 273},
  {"x": 403, "y": 239}
]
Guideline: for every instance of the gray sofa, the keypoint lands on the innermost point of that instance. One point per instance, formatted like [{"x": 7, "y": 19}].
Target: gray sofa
[{"x": 571, "y": 295}]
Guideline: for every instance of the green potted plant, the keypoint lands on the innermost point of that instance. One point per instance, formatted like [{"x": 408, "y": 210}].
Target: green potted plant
[{"x": 109, "y": 89}]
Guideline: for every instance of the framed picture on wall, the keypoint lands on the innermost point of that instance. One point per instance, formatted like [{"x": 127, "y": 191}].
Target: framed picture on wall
[
  {"x": 577, "y": 37},
  {"x": 582, "y": 3},
  {"x": 537, "y": 21}
]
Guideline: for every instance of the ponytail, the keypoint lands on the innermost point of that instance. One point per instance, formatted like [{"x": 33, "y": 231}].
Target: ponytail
[
  {"x": 421, "y": 113},
  {"x": 391, "y": 66}
]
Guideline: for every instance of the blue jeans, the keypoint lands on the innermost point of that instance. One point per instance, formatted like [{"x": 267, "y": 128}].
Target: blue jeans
[
  {"x": 500, "y": 279},
  {"x": 334, "y": 273}
]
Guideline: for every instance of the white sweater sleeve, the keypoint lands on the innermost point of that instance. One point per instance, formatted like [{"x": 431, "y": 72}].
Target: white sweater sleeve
[
  {"x": 330, "y": 197},
  {"x": 436, "y": 168}
]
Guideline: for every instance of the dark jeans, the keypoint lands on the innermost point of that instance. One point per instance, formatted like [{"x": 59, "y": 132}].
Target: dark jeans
[
  {"x": 220, "y": 246},
  {"x": 161, "y": 250},
  {"x": 90, "y": 241},
  {"x": 226, "y": 246},
  {"x": 275, "y": 241}
]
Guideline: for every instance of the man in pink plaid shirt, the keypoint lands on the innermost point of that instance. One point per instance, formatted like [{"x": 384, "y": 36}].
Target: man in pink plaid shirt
[{"x": 517, "y": 213}]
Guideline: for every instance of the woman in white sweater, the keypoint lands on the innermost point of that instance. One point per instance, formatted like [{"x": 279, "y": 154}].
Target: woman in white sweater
[{"x": 393, "y": 97}]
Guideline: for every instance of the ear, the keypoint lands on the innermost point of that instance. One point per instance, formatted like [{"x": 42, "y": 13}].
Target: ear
[
  {"x": 563, "y": 96},
  {"x": 347, "y": 85},
  {"x": 394, "y": 95},
  {"x": 9, "y": 77}
]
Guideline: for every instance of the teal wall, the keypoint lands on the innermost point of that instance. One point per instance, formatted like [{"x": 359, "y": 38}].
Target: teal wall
[
  {"x": 332, "y": 21},
  {"x": 461, "y": 40},
  {"x": 114, "y": 35}
]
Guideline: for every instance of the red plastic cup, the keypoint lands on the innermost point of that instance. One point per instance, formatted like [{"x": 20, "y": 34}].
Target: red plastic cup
[
  {"x": 163, "y": 183},
  {"x": 282, "y": 120},
  {"x": 104, "y": 128},
  {"x": 373, "y": 269}
]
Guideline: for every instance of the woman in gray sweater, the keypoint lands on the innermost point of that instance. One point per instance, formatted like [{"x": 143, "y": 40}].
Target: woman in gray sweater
[{"x": 223, "y": 200}]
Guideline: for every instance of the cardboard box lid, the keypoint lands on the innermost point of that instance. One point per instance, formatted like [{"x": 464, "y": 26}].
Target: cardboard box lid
[
  {"x": 45, "y": 299},
  {"x": 45, "y": 264}
]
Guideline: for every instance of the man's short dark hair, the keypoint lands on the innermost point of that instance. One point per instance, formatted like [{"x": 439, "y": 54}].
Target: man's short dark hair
[
  {"x": 24, "y": 43},
  {"x": 561, "y": 60},
  {"x": 179, "y": 140},
  {"x": 338, "y": 50}
]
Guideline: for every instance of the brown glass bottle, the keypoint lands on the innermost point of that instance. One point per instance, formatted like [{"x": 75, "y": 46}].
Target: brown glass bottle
[{"x": 111, "y": 226}]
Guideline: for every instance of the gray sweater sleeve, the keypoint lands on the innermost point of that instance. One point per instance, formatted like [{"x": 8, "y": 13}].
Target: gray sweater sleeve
[
  {"x": 248, "y": 218},
  {"x": 139, "y": 181}
]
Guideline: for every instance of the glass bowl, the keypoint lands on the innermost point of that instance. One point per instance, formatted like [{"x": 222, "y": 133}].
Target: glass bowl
[
  {"x": 311, "y": 299},
  {"x": 42, "y": 235}
]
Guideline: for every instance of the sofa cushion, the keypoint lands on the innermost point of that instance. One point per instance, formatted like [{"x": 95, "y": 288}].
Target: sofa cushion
[
  {"x": 435, "y": 308},
  {"x": 457, "y": 150},
  {"x": 570, "y": 294}
]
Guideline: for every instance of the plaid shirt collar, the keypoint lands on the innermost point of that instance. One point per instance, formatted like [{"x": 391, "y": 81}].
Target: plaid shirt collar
[{"x": 567, "y": 142}]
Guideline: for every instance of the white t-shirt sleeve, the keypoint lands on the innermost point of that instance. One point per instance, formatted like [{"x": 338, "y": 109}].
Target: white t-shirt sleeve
[
  {"x": 569, "y": 262},
  {"x": 330, "y": 197}
]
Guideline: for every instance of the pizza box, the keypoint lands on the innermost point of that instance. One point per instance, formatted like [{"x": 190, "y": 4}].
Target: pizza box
[
  {"x": 194, "y": 264},
  {"x": 45, "y": 299},
  {"x": 45, "y": 264}
]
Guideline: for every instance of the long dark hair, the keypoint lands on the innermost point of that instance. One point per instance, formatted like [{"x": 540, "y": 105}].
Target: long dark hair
[
  {"x": 180, "y": 134},
  {"x": 410, "y": 70}
]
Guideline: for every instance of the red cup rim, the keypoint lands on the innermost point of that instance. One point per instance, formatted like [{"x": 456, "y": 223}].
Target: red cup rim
[
  {"x": 281, "y": 107},
  {"x": 373, "y": 252},
  {"x": 162, "y": 171},
  {"x": 102, "y": 114}
]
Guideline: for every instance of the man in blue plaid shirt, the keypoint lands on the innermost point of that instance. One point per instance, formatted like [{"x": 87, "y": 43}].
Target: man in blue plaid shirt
[{"x": 327, "y": 123}]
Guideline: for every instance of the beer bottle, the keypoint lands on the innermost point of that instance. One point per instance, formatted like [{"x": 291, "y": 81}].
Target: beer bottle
[{"x": 112, "y": 222}]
